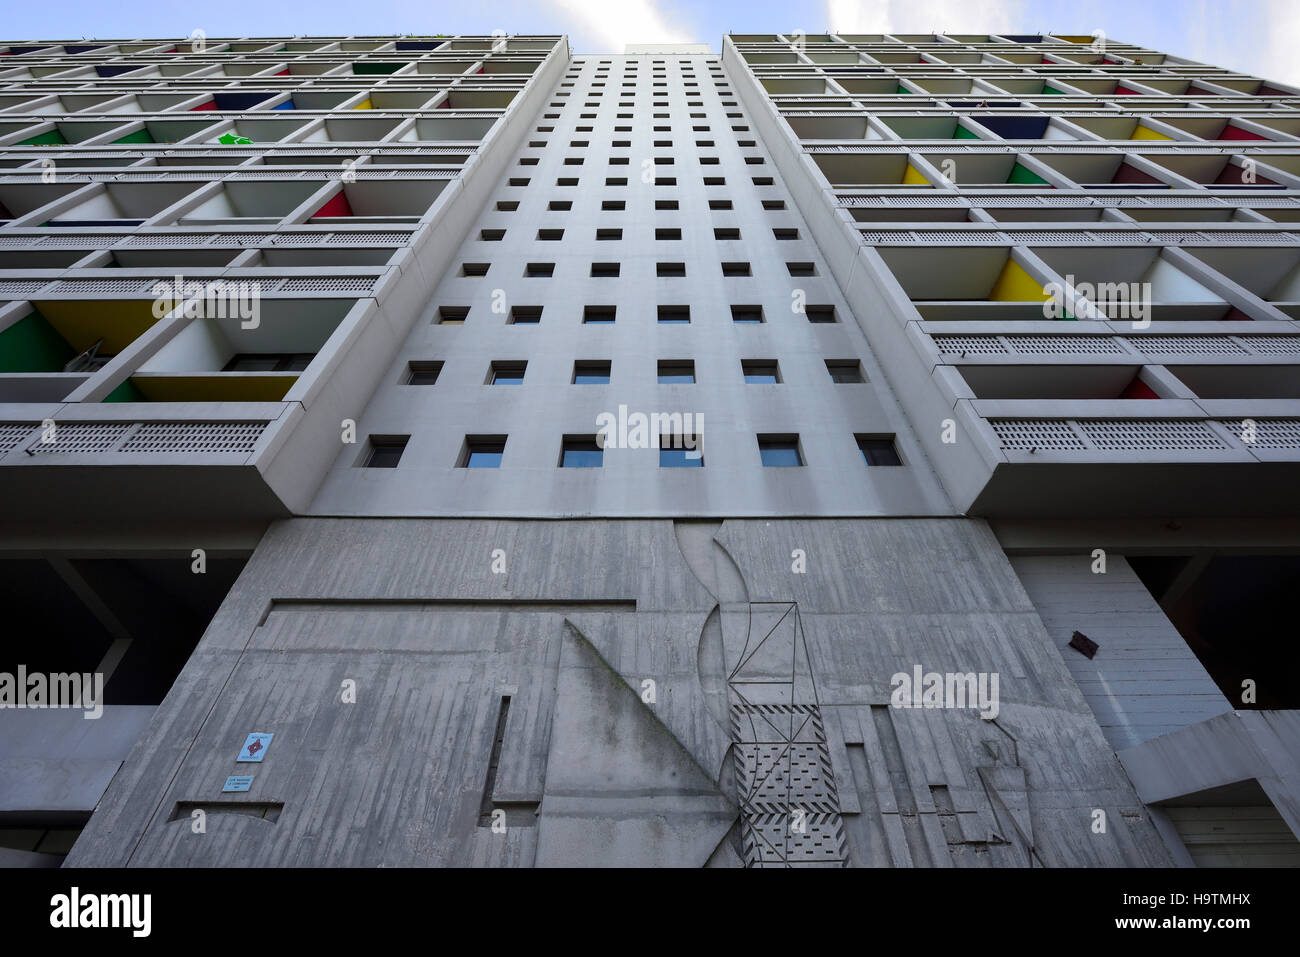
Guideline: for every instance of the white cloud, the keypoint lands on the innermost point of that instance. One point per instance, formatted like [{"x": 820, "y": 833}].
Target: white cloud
[
  {"x": 609, "y": 25},
  {"x": 926, "y": 16}
]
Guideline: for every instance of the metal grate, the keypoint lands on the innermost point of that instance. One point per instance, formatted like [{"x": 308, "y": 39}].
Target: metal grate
[
  {"x": 1030, "y": 435},
  {"x": 370, "y": 239},
  {"x": 1186, "y": 345},
  {"x": 1065, "y": 345},
  {"x": 338, "y": 284},
  {"x": 1268, "y": 433},
  {"x": 83, "y": 287},
  {"x": 971, "y": 345},
  {"x": 1272, "y": 345},
  {"x": 22, "y": 287},
  {"x": 169, "y": 239},
  {"x": 88, "y": 437},
  {"x": 1142, "y": 435},
  {"x": 195, "y": 437},
  {"x": 12, "y": 435}
]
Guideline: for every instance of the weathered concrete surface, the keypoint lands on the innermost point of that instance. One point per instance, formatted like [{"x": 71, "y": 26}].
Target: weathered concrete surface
[{"x": 587, "y": 771}]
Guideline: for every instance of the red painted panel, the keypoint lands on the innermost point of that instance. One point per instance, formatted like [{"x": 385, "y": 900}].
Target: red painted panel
[
  {"x": 1231, "y": 132},
  {"x": 1122, "y": 90},
  {"x": 337, "y": 206},
  {"x": 1236, "y": 315},
  {"x": 206, "y": 105},
  {"x": 1131, "y": 174},
  {"x": 1137, "y": 389},
  {"x": 1234, "y": 176},
  {"x": 283, "y": 73}
]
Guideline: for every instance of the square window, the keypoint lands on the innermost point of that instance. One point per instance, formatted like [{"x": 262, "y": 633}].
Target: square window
[
  {"x": 680, "y": 452},
  {"x": 779, "y": 451},
  {"x": 539, "y": 270},
  {"x": 676, "y": 371},
  {"x": 616, "y": 181},
  {"x": 668, "y": 234},
  {"x": 518, "y": 181},
  {"x": 505, "y": 207},
  {"x": 567, "y": 181},
  {"x": 598, "y": 314},
  {"x": 719, "y": 204},
  {"x": 492, "y": 235},
  {"x": 878, "y": 450},
  {"x": 665, "y": 180},
  {"x": 474, "y": 269},
  {"x": 528, "y": 161},
  {"x": 677, "y": 315},
  {"x": 753, "y": 161},
  {"x": 530, "y": 315},
  {"x": 727, "y": 233},
  {"x": 801, "y": 269},
  {"x": 605, "y": 270},
  {"x": 762, "y": 180},
  {"x": 751, "y": 315},
  {"x": 609, "y": 235},
  {"x": 820, "y": 313},
  {"x": 761, "y": 371},
  {"x": 591, "y": 373},
  {"x": 774, "y": 204},
  {"x": 613, "y": 205},
  {"x": 736, "y": 269},
  {"x": 550, "y": 235},
  {"x": 560, "y": 205},
  {"x": 666, "y": 204},
  {"x": 573, "y": 161},
  {"x": 670, "y": 270},
  {"x": 507, "y": 373},
  {"x": 618, "y": 161},
  {"x": 386, "y": 451},
  {"x": 420, "y": 372},
  {"x": 844, "y": 370},
  {"x": 482, "y": 452},
  {"x": 715, "y": 181},
  {"x": 452, "y": 315},
  {"x": 786, "y": 233},
  {"x": 581, "y": 452}
]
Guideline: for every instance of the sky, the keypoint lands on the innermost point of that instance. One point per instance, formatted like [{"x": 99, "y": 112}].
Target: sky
[{"x": 1260, "y": 37}]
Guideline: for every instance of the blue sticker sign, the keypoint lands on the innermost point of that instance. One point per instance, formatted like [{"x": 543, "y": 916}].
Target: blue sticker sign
[
  {"x": 255, "y": 746},
  {"x": 237, "y": 782}
]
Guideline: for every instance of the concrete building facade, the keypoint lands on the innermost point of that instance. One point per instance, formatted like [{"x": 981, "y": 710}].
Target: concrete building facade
[{"x": 653, "y": 459}]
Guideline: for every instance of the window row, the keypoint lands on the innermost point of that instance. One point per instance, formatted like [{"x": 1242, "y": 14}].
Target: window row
[
  {"x": 664, "y": 315},
  {"x": 611, "y": 270},
  {"x": 588, "y": 451},
  {"x": 598, "y": 372}
]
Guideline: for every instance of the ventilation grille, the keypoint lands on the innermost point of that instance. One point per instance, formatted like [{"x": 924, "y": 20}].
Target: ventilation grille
[
  {"x": 1268, "y": 433},
  {"x": 232, "y": 437},
  {"x": 1141, "y": 435},
  {"x": 338, "y": 284},
  {"x": 67, "y": 439},
  {"x": 1273, "y": 345},
  {"x": 12, "y": 435},
  {"x": 1065, "y": 345},
  {"x": 1187, "y": 345},
  {"x": 971, "y": 345},
  {"x": 1026, "y": 435}
]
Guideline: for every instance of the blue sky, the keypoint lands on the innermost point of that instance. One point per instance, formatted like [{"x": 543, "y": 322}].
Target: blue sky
[{"x": 1261, "y": 37}]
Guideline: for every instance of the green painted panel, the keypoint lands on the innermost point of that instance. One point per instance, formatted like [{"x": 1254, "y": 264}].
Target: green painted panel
[
  {"x": 126, "y": 392},
  {"x": 140, "y": 136},
  {"x": 52, "y": 138},
  {"x": 1052, "y": 90},
  {"x": 1021, "y": 175},
  {"x": 963, "y": 134},
  {"x": 376, "y": 69},
  {"x": 902, "y": 89},
  {"x": 32, "y": 345}
]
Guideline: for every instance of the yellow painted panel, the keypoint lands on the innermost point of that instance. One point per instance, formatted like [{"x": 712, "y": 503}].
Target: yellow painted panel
[
  {"x": 364, "y": 105},
  {"x": 118, "y": 321},
  {"x": 1016, "y": 285},
  {"x": 914, "y": 177},
  {"x": 214, "y": 388},
  {"x": 1075, "y": 39},
  {"x": 1143, "y": 133}
]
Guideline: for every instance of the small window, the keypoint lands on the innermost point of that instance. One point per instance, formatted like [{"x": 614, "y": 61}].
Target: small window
[
  {"x": 581, "y": 452},
  {"x": 421, "y": 372},
  {"x": 878, "y": 450},
  {"x": 616, "y": 181},
  {"x": 530, "y": 315},
  {"x": 820, "y": 313},
  {"x": 507, "y": 373},
  {"x": 560, "y": 205},
  {"x": 526, "y": 161},
  {"x": 609, "y": 235},
  {"x": 666, "y": 204},
  {"x": 518, "y": 181},
  {"x": 618, "y": 161},
  {"x": 844, "y": 370},
  {"x": 505, "y": 207},
  {"x": 591, "y": 373},
  {"x": 720, "y": 204},
  {"x": 668, "y": 234},
  {"x": 676, "y": 371},
  {"x": 539, "y": 270},
  {"x": 715, "y": 181},
  {"x": 736, "y": 269},
  {"x": 598, "y": 314},
  {"x": 452, "y": 315},
  {"x": 386, "y": 451},
  {"x": 611, "y": 205},
  {"x": 605, "y": 270},
  {"x": 786, "y": 233},
  {"x": 492, "y": 235},
  {"x": 482, "y": 452},
  {"x": 670, "y": 269},
  {"x": 750, "y": 315},
  {"x": 474, "y": 269},
  {"x": 665, "y": 180},
  {"x": 567, "y": 181},
  {"x": 779, "y": 451},
  {"x": 801, "y": 269},
  {"x": 762, "y": 181},
  {"x": 774, "y": 204},
  {"x": 680, "y": 452},
  {"x": 729, "y": 232},
  {"x": 550, "y": 235},
  {"x": 753, "y": 161},
  {"x": 677, "y": 315},
  {"x": 761, "y": 371}
]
